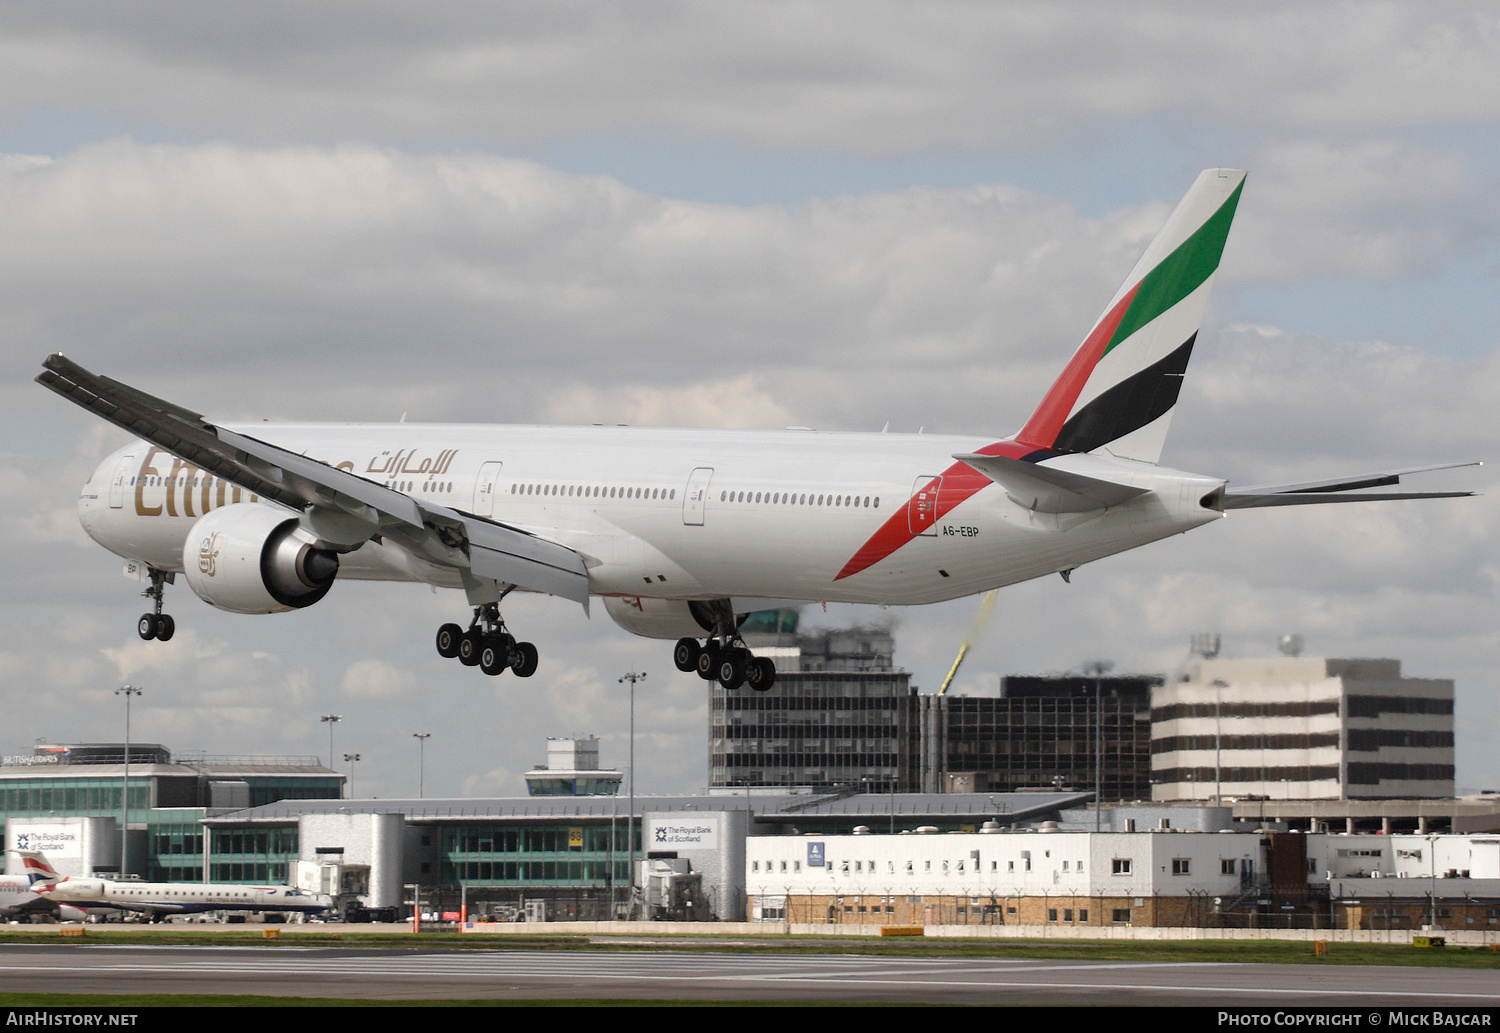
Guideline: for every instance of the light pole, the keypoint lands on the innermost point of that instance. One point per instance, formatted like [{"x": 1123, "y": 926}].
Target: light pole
[
  {"x": 1098, "y": 668},
  {"x": 631, "y": 825},
  {"x": 330, "y": 720},
  {"x": 350, "y": 758},
  {"x": 127, "y": 691},
  {"x": 1432, "y": 881},
  {"x": 421, "y": 738},
  {"x": 1219, "y": 686}
]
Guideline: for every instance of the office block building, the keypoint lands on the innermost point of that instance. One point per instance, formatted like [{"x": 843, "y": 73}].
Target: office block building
[
  {"x": 1302, "y": 728},
  {"x": 1041, "y": 732},
  {"x": 840, "y": 715}
]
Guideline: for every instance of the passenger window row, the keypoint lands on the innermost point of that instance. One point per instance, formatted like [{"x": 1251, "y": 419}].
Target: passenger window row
[
  {"x": 593, "y": 491},
  {"x": 775, "y": 498}
]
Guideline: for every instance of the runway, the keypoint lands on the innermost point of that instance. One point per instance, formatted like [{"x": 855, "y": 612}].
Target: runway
[{"x": 408, "y": 974}]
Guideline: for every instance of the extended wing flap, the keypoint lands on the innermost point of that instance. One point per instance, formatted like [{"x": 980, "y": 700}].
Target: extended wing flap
[
  {"x": 488, "y": 549},
  {"x": 496, "y": 551},
  {"x": 315, "y": 483},
  {"x": 1047, "y": 489}
]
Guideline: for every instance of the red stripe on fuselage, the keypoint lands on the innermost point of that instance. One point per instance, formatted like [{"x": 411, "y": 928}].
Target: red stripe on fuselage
[
  {"x": 1046, "y": 423},
  {"x": 960, "y": 481}
]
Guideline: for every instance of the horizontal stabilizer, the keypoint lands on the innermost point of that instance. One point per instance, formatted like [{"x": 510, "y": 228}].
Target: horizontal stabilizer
[
  {"x": 1336, "y": 489},
  {"x": 1046, "y": 489},
  {"x": 1243, "y": 501}
]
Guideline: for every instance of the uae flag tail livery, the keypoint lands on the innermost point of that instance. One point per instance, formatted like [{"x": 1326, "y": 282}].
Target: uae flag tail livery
[{"x": 1117, "y": 393}]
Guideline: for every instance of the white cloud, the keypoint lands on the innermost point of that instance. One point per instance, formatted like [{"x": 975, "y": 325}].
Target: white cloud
[
  {"x": 1372, "y": 210},
  {"x": 736, "y": 402},
  {"x": 866, "y": 78},
  {"x": 376, "y": 680}
]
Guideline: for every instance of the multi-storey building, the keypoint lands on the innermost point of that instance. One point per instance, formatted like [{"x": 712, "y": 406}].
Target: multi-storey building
[
  {"x": 840, "y": 716},
  {"x": 1298, "y": 728},
  {"x": 1042, "y": 732}
]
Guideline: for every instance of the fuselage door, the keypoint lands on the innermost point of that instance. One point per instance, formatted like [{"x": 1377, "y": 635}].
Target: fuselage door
[
  {"x": 485, "y": 488},
  {"x": 118, "y": 482},
  {"x": 697, "y": 495},
  {"x": 921, "y": 515}
]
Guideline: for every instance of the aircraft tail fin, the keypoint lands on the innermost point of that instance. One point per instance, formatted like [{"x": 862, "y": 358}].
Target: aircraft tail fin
[
  {"x": 1117, "y": 393},
  {"x": 37, "y": 867}
]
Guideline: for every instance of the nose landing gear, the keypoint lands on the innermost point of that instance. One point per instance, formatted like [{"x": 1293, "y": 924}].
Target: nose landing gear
[
  {"x": 157, "y": 625},
  {"x": 487, "y": 645}
]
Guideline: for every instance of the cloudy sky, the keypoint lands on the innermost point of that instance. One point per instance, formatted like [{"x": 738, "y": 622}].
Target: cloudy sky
[{"x": 749, "y": 215}]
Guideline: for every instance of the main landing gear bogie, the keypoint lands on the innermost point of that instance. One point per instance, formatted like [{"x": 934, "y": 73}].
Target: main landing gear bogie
[
  {"x": 730, "y": 665},
  {"x": 487, "y": 645}
]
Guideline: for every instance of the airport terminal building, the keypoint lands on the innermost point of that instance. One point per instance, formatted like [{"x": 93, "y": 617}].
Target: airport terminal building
[{"x": 68, "y": 800}]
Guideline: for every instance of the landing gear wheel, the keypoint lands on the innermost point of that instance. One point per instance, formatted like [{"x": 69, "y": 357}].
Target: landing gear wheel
[
  {"x": 732, "y": 663},
  {"x": 447, "y": 640},
  {"x": 468, "y": 648},
  {"x": 494, "y": 655},
  {"x": 708, "y": 661},
  {"x": 525, "y": 660},
  {"x": 760, "y": 674},
  {"x": 156, "y": 625},
  {"x": 685, "y": 655}
]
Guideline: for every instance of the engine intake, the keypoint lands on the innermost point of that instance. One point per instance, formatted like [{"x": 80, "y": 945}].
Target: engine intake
[{"x": 251, "y": 558}]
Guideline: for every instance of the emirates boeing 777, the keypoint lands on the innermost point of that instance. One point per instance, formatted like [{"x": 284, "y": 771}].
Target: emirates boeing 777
[{"x": 684, "y": 532}]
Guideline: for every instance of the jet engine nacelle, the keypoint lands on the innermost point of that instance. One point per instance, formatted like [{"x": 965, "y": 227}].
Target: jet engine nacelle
[
  {"x": 250, "y": 558},
  {"x": 656, "y": 618}
]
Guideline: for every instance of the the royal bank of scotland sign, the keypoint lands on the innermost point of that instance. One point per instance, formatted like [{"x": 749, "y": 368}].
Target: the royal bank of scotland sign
[
  {"x": 696, "y": 833},
  {"x": 50, "y": 840}
]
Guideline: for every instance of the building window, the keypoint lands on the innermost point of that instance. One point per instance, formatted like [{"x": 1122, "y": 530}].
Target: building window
[
  {"x": 1121, "y": 915},
  {"x": 1226, "y": 866},
  {"x": 1083, "y": 915},
  {"x": 1067, "y": 914},
  {"x": 1120, "y": 866},
  {"x": 1181, "y": 866},
  {"x": 1052, "y": 914}
]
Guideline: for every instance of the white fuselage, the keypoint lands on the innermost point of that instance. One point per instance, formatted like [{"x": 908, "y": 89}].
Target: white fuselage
[
  {"x": 676, "y": 514},
  {"x": 182, "y": 898}
]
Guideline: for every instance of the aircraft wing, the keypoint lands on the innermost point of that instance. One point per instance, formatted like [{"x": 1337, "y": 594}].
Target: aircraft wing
[
  {"x": 1337, "y": 489},
  {"x": 484, "y": 548},
  {"x": 1047, "y": 489}
]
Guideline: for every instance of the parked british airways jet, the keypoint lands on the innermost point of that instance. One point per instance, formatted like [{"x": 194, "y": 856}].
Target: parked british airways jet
[
  {"x": 19, "y": 896},
  {"x": 683, "y": 532}
]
